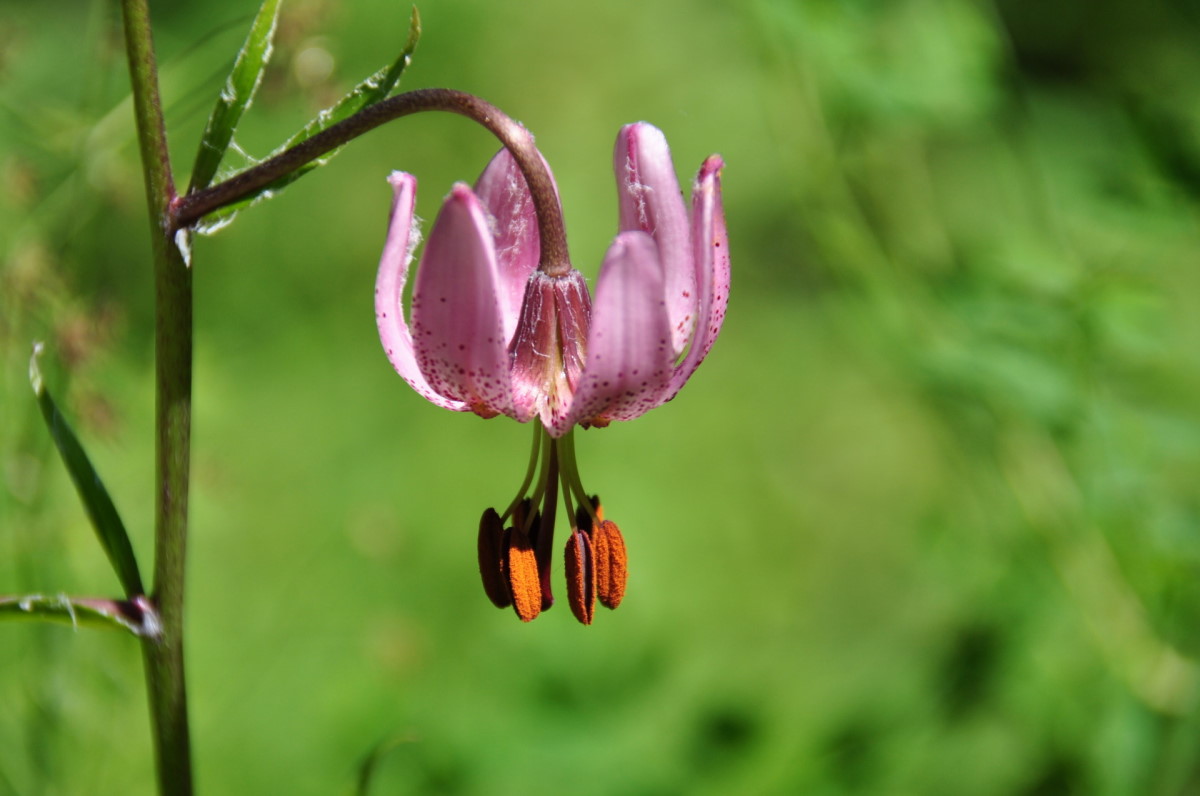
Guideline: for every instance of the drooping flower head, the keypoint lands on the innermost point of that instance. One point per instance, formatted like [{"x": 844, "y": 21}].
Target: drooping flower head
[{"x": 494, "y": 330}]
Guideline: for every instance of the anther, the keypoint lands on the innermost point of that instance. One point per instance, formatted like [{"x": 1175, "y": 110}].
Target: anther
[
  {"x": 492, "y": 559},
  {"x": 523, "y": 580},
  {"x": 541, "y": 536},
  {"x": 581, "y": 577},
  {"x": 611, "y": 563}
]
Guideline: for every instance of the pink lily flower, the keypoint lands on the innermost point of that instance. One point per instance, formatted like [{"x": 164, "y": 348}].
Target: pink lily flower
[{"x": 493, "y": 333}]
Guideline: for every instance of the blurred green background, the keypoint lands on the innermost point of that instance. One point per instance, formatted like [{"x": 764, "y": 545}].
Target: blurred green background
[{"x": 926, "y": 521}]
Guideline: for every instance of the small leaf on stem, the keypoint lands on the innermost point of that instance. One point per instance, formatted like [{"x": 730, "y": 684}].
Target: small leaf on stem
[
  {"x": 136, "y": 616},
  {"x": 371, "y": 90},
  {"x": 236, "y": 95},
  {"x": 99, "y": 506}
]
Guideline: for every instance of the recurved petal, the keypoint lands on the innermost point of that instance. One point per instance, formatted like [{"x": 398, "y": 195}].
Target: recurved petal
[
  {"x": 711, "y": 244},
  {"x": 650, "y": 201},
  {"x": 506, "y": 199},
  {"x": 629, "y": 355},
  {"x": 394, "y": 333},
  {"x": 458, "y": 335}
]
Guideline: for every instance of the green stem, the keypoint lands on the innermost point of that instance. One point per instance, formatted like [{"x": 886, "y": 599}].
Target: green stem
[
  {"x": 570, "y": 468},
  {"x": 553, "y": 237},
  {"x": 529, "y": 471},
  {"x": 173, "y": 410}
]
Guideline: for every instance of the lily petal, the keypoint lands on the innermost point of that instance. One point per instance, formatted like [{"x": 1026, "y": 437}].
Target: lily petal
[
  {"x": 629, "y": 355},
  {"x": 505, "y": 196},
  {"x": 548, "y": 347},
  {"x": 650, "y": 201},
  {"x": 458, "y": 331},
  {"x": 711, "y": 253},
  {"x": 389, "y": 291}
]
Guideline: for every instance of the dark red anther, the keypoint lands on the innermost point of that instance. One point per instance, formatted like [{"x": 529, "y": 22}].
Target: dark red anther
[
  {"x": 581, "y": 577},
  {"x": 493, "y": 556}
]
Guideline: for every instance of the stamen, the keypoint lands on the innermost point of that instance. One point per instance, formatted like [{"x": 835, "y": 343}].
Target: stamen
[
  {"x": 612, "y": 563},
  {"x": 515, "y": 562},
  {"x": 544, "y": 538},
  {"x": 493, "y": 565},
  {"x": 570, "y": 472},
  {"x": 581, "y": 577},
  {"x": 523, "y": 575},
  {"x": 543, "y": 476},
  {"x": 589, "y": 514},
  {"x": 538, "y": 433}
]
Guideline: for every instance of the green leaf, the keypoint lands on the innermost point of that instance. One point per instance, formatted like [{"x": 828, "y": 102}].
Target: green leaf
[
  {"x": 375, "y": 88},
  {"x": 366, "y": 769},
  {"x": 136, "y": 616},
  {"x": 236, "y": 96},
  {"x": 96, "y": 501}
]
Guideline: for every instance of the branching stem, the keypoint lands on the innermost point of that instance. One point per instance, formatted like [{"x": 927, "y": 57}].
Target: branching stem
[
  {"x": 170, "y": 216},
  {"x": 554, "y": 262},
  {"x": 173, "y": 417}
]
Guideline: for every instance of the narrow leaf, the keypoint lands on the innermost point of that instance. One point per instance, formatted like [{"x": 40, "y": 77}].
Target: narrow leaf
[
  {"x": 369, "y": 764},
  {"x": 136, "y": 616},
  {"x": 96, "y": 501},
  {"x": 236, "y": 96},
  {"x": 375, "y": 88}
]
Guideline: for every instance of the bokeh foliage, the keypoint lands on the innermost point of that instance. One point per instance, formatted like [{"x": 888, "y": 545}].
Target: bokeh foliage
[{"x": 925, "y": 522}]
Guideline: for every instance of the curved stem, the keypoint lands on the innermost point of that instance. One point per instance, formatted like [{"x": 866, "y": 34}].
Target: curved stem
[
  {"x": 548, "y": 466},
  {"x": 544, "y": 550},
  {"x": 571, "y": 477},
  {"x": 554, "y": 260},
  {"x": 173, "y": 417},
  {"x": 534, "y": 458}
]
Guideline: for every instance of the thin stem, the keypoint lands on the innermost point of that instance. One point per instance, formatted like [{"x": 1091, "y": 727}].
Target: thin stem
[
  {"x": 571, "y": 475},
  {"x": 569, "y": 505},
  {"x": 173, "y": 410},
  {"x": 529, "y": 471},
  {"x": 549, "y": 461},
  {"x": 544, "y": 549},
  {"x": 147, "y": 109},
  {"x": 554, "y": 260}
]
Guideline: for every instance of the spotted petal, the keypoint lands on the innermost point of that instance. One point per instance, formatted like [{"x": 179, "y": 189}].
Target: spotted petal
[
  {"x": 389, "y": 291},
  {"x": 629, "y": 354},
  {"x": 650, "y": 201},
  {"x": 458, "y": 330},
  {"x": 710, "y": 244},
  {"x": 509, "y": 205},
  {"x": 547, "y": 349}
]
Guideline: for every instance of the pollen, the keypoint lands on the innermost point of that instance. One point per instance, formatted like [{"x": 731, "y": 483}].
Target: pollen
[
  {"x": 581, "y": 577},
  {"x": 524, "y": 584},
  {"x": 611, "y": 563}
]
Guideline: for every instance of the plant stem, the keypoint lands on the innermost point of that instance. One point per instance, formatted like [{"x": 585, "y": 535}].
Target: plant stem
[
  {"x": 173, "y": 410},
  {"x": 554, "y": 259}
]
